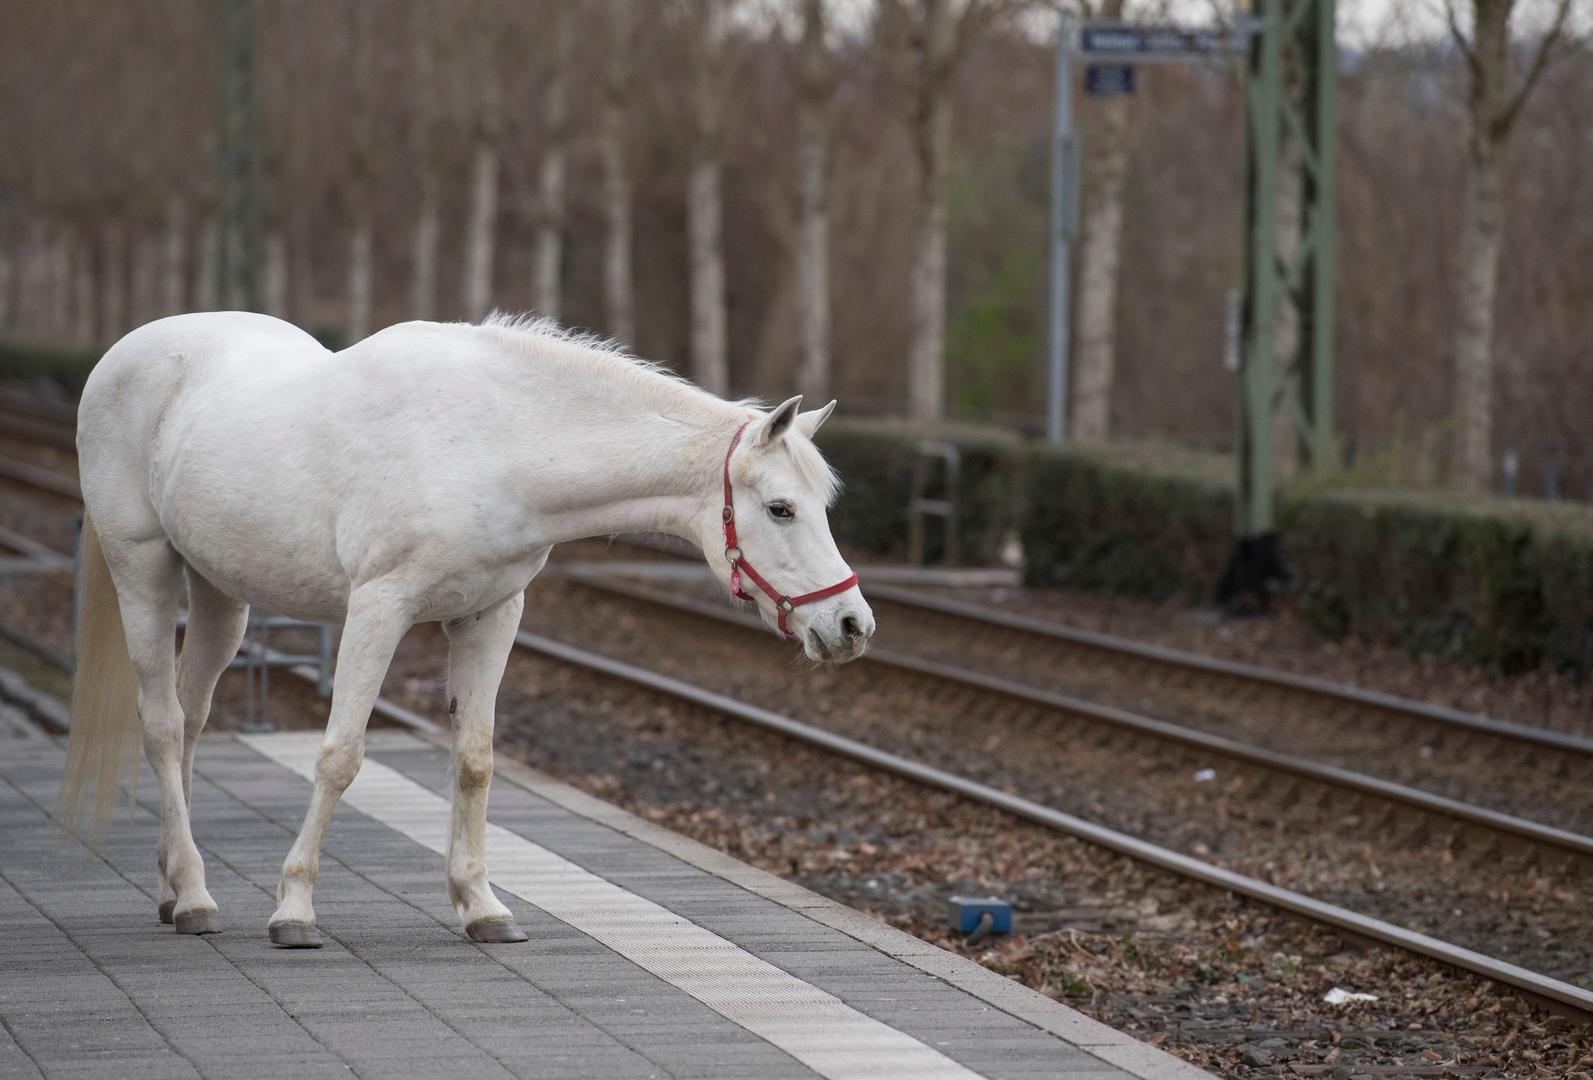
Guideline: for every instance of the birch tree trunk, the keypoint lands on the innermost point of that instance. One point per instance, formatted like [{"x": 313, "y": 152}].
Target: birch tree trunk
[
  {"x": 1103, "y": 231},
  {"x": 358, "y": 325},
  {"x": 1479, "y": 262},
  {"x": 61, "y": 285},
  {"x": 174, "y": 266},
  {"x": 423, "y": 264},
  {"x": 813, "y": 243},
  {"x": 147, "y": 278},
  {"x": 274, "y": 279},
  {"x": 82, "y": 295},
  {"x": 704, "y": 208},
  {"x": 31, "y": 274},
  {"x": 1479, "y": 247},
  {"x": 618, "y": 288},
  {"x": 1493, "y": 104},
  {"x": 1095, "y": 359},
  {"x": 550, "y": 199},
  {"x": 476, "y": 283},
  {"x": 933, "y": 43},
  {"x": 361, "y": 45},
  {"x": 113, "y": 277},
  {"x": 205, "y": 283},
  {"x": 423, "y": 251}
]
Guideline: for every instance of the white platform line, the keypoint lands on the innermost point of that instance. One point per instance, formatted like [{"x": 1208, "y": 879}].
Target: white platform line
[{"x": 813, "y": 1026}]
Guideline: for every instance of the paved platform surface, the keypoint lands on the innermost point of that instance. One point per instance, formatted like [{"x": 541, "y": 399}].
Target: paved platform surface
[{"x": 650, "y": 955}]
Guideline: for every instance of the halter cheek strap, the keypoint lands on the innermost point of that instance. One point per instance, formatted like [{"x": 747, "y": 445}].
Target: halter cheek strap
[{"x": 739, "y": 565}]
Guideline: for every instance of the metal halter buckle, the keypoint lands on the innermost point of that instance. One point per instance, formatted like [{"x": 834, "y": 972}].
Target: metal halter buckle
[
  {"x": 785, "y": 605},
  {"x": 733, "y": 554},
  {"x": 728, "y": 514}
]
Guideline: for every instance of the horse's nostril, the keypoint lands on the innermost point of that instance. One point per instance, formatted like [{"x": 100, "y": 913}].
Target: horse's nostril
[{"x": 850, "y": 628}]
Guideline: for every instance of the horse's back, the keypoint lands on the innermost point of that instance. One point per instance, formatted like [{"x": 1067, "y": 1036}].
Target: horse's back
[
  {"x": 146, "y": 373},
  {"x": 153, "y": 380}
]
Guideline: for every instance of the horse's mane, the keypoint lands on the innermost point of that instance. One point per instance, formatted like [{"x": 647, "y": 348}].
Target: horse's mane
[{"x": 607, "y": 361}]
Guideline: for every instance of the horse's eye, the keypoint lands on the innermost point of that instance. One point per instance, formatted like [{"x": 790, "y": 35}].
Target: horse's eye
[{"x": 781, "y": 510}]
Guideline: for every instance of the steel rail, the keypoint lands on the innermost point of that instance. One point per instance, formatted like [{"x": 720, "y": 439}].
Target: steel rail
[
  {"x": 1346, "y": 779},
  {"x": 28, "y": 428},
  {"x": 55, "y": 483},
  {"x": 1176, "y": 862},
  {"x": 1252, "y": 673}
]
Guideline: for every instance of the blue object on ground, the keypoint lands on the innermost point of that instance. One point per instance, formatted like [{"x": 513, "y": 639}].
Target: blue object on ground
[{"x": 965, "y": 912}]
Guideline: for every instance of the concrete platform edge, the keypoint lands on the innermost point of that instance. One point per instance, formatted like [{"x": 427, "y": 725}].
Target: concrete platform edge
[{"x": 1098, "y": 1039}]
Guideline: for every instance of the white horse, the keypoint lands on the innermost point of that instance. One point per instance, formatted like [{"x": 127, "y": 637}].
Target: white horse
[{"x": 421, "y": 475}]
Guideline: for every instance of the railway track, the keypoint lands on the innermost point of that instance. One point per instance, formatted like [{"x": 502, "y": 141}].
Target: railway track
[
  {"x": 1513, "y": 770},
  {"x": 990, "y": 790}
]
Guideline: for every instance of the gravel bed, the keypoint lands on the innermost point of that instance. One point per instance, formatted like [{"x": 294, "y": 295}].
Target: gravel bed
[
  {"x": 1225, "y": 983},
  {"x": 1407, "y": 867},
  {"x": 1502, "y": 774}
]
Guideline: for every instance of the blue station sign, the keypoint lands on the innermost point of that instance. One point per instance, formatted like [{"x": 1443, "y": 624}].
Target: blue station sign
[{"x": 1127, "y": 43}]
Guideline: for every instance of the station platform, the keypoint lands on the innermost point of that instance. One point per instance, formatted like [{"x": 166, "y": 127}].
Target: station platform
[{"x": 650, "y": 954}]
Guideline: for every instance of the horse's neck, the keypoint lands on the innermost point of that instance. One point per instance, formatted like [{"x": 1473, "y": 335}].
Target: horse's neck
[{"x": 631, "y": 468}]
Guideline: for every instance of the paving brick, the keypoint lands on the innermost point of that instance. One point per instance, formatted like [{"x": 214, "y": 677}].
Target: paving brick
[{"x": 94, "y": 987}]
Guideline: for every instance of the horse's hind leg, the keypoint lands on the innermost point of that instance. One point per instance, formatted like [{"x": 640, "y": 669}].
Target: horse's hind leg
[
  {"x": 148, "y": 575},
  {"x": 377, "y": 620},
  {"x": 216, "y": 624},
  {"x": 478, "y": 649}
]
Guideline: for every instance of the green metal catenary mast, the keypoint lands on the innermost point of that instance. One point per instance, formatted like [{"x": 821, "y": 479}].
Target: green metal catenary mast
[{"x": 1290, "y": 94}]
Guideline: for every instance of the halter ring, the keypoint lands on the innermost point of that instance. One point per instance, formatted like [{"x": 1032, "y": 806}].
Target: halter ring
[{"x": 733, "y": 554}]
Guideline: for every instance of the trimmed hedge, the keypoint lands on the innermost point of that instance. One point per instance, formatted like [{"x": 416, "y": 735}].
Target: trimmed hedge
[
  {"x": 875, "y": 459},
  {"x": 1503, "y": 583},
  {"x": 67, "y": 367},
  {"x": 1507, "y": 584},
  {"x": 1142, "y": 521}
]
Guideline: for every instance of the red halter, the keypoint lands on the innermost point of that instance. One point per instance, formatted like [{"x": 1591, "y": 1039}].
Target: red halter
[{"x": 783, "y": 604}]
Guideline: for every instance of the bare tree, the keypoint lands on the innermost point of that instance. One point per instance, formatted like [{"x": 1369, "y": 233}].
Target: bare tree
[
  {"x": 1096, "y": 360},
  {"x": 704, "y": 209},
  {"x": 941, "y": 33},
  {"x": 476, "y": 284},
  {"x": 206, "y": 282},
  {"x": 618, "y": 283},
  {"x": 1494, "y": 102},
  {"x": 423, "y": 80},
  {"x": 113, "y": 279},
  {"x": 813, "y": 246},
  {"x": 82, "y": 295},
  {"x": 555, "y": 136},
  {"x": 361, "y": 172},
  {"x": 174, "y": 263}
]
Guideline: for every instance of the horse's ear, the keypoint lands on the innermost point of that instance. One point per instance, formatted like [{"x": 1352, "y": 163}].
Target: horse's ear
[
  {"x": 778, "y": 422},
  {"x": 808, "y": 423}
]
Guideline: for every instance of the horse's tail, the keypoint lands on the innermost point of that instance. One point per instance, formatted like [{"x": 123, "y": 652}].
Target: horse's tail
[{"x": 104, "y": 741}]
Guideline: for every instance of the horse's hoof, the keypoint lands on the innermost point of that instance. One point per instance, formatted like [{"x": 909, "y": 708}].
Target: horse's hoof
[
  {"x": 197, "y": 922},
  {"x": 166, "y": 908},
  {"x": 295, "y": 935},
  {"x": 495, "y": 931}
]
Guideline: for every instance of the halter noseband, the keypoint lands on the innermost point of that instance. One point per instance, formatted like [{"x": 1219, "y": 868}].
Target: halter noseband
[{"x": 738, "y": 563}]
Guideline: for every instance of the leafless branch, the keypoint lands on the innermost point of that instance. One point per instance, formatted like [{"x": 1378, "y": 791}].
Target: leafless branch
[
  {"x": 1459, "y": 37},
  {"x": 1547, "y": 50}
]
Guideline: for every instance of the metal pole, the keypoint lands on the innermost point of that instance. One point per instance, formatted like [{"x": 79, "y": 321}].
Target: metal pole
[
  {"x": 1062, "y": 183},
  {"x": 1322, "y": 123}
]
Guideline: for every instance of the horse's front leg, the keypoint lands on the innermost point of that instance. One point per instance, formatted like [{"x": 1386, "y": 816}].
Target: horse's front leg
[
  {"x": 377, "y": 621},
  {"x": 478, "y": 649}
]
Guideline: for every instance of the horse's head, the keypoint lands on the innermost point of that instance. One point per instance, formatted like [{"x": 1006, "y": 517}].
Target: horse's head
[{"x": 776, "y": 549}]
